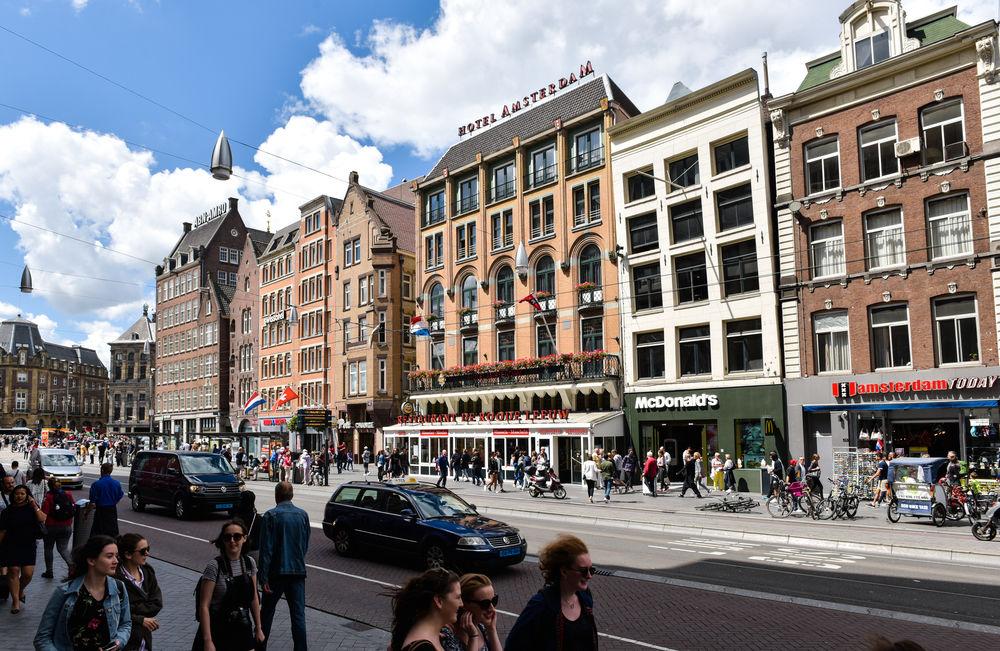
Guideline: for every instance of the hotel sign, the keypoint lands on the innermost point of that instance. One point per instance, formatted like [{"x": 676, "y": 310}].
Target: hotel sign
[
  {"x": 851, "y": 389},
  {"x": 533, "y": 97},
  {"x": 272, "y": 318},
  {"x": 209, "y": 215}
]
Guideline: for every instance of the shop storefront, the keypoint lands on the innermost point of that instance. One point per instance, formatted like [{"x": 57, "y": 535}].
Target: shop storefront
[
  {"x": 911, "y": 413},
  {"x": 565, "y": 436},
  {"x": 746, "y": 422}
]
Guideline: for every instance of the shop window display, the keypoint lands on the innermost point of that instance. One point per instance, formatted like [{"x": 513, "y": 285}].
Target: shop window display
[{"x": 751, "y": 442}]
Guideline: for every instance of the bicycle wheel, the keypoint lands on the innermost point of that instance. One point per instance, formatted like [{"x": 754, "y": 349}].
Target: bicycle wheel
[
  {"x": 939, "y": 514},
  {"x": 851, "y": 509},
  {"x": 827, "y": 508},
  {"x": 779, "y": 507},
  {"x": 892, "y": 512}
]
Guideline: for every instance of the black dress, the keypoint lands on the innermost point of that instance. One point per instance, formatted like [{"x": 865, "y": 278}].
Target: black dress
[{"x": 20, "y": 542}]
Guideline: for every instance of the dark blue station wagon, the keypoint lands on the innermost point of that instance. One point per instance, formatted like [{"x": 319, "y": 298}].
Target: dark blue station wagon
[{"x": 421, "y": 520}]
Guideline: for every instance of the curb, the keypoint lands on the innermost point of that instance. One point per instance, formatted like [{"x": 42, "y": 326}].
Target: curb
[{"x": 900, "y": 551}]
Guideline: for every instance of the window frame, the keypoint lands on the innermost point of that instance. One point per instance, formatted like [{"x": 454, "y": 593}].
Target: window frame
[
  {"x": 687, "y": 217},
  {"x": 877, "y": 144},
  {"x": 871, "y": 336},
  {"x": 941, "y": 125},
  {"x": 742, "y": 335},
  {"x": 690, "y": 271},
  {"x": 970, "y": 240},
  {"x": 869, "y": 258},
  {"x": 644, "y": 173},
  {"x": 831, "y": 331},
  {"x": 643, "y": 348},
  {"x": 938, "y": 320},
  {"x": 678, "y": 183},
  {"x": 730, "y": 202},
  {"x": 741, "y": 260},
  {"x": 729, "y": 142},
  {"x": 812, "y": 244},
  {"x": 656, "y": 278},
  {"x": 806, "y": 159},
  {"x": 698, "y": 341},
  {"x": 650, "y": 244}
]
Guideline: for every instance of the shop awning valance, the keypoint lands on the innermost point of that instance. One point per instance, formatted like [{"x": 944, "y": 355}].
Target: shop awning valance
[{"x": 890, "y": 406}]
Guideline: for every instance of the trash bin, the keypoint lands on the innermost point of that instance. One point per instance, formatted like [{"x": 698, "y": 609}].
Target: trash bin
[
  {"x": 83, "y": 522},
  {"x": 297, "y": 475}
]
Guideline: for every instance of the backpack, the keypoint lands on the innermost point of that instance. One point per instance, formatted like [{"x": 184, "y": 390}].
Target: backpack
[{"x": 63, "y": 507}]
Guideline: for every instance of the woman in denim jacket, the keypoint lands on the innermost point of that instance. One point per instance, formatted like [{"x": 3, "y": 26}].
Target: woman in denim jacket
[{"x": 90, "y": 611}]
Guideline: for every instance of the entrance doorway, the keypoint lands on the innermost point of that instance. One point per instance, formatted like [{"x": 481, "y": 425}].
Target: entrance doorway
[
  {"x": 569, "y": 459},
  {"x": 677, "y": 437},
  {"x": 935, "y": 439}
]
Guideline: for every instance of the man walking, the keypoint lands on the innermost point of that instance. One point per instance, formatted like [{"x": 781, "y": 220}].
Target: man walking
[
  {"x": 607, "y": 469},
  {"x": 284, "y": 541},
  {"x": 442, "y": 464},
  {"x": 104, "y": 496},
  {"x": 690, "y": 480},
  {"x": 649, "y": 474}
]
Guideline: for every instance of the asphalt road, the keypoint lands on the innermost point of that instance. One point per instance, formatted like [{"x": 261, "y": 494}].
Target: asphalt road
[{"x": 661, "y": 591}]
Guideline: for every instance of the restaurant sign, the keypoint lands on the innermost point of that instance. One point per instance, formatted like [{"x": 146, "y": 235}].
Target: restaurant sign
[
  {"x": 522, "y": 103},
  {"x": 851, "y": 389},
  {"x": 485, "y": 417}
]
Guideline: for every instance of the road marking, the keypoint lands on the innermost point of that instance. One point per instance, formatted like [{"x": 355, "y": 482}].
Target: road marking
[
  {"x": 689, "y": 551},
  {"x": 182, "y": 535}
]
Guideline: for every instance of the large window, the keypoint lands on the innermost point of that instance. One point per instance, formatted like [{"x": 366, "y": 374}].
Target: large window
[
  {"x": 639, "y": 185},
  {"x": 465, "y": 241},
  {"x": 691, "y": 278},
  {"x": 823, "y": 165},
  {"x": 649, "y": 355},
  {"x": 944, "y": 132},
  {"x": 642, "y": 233},
  {"x": 949, "y": 226},
  {"x": 590, "y": 265},
  {"x": 878, "y": 150},
  {"x": 434, "y": 251},
  {"x": 592, "y": 333},
  {"x": 587, "y": 150},
  {"x": 543, "y": 166},
  {"x": 543, "y": 221},
  {"x": 833, "y": 341},
  {"x": 739, "y": 268},
  {"x": 434, "y": 211},
  {"x": 505, "y": 285},
  {"x": 871, "y": 50},
  {"x": 503, "y": 181},
  {"x": 502, "y": 224},
  {"x": 437, "y": 355},
  {"x": 437, "y": 300},
  {"x": 826, "y": 246},
  {"x": 732, "y": 154},
  {"x": 695, "y": 349},
  {"x": 470, "y": 350},
  {"x": 587, "y": 204},
  {"x": 685, "y": 221},
  {"x": 884, "y": 239},
  {"x": 744, "y": 346},
  {"x": 468, "y": 195},
  {"x": 545, "y": 275},
  {"x": 735, "y": 207},
  {"x": 683, "y": 172},
  {"x": 505, "y": 345},
  {"x": 646, "y": 286},
  {"x": 543, "y": 341},
  {"x": 470, "y": 292},
  {"x": 890, "y": 336},
  {"x": 955, "y": 327}
]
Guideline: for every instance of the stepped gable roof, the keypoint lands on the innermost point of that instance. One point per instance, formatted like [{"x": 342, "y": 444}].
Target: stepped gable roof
[
  {"x": 396, "y": 214},
  {"x": 927, "y": 30},
  {"x": 581, "y": 100},
  {"x": 141, "y": 330}
]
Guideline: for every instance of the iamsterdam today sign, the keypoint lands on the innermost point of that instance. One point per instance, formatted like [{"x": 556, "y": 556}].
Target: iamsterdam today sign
[{"x": 851, "y": 389}]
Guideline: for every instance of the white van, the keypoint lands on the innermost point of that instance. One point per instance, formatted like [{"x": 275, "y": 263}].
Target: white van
[{"x": 61, "y": 464}]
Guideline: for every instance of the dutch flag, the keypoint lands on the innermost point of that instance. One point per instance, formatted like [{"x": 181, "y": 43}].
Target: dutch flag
[
  {"x": 255, "y": 400},
  {"x": 419, "y": 327}
]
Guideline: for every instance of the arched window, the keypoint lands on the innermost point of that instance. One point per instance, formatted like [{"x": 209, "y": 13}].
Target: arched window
[
  {"x": 545, "y": 275},
  {"x": 505, "y": 284},
  {"x": 590, "y": 265},
  {"x": 470, "y": 292},
  {"x": 437, "y": 300}
]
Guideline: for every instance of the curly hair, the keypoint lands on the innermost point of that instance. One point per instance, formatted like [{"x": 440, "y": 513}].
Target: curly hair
[
  {"x": 559, "y": 554},
  {"x": 415, "y": 600}
]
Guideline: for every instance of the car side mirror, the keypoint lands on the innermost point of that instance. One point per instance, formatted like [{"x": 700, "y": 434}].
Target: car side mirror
[{"x": 409, "y": 514}]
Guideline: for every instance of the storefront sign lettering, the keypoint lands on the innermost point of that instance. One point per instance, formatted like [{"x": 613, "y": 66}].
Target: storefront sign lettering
[
  {"x": 270, "y": 422},
  {"x": 695, "y": 400},
  {"x": 529, "y": 99},
  {"x": 209, "y": 215},
  {"x": 272, "y": 318},
  {"x": 434, "y": 432},
  {"x": 851, "y": 389},
  {"x": 486, "y": 417}
]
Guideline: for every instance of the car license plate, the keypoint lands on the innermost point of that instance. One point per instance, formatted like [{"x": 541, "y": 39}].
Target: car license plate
[
  {"x": 223, "y": 506},
  {"x": 514, "y": 551}
]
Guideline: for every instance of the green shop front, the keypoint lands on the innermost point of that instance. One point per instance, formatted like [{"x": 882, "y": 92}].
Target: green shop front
[{"x": 746, "y": 422}]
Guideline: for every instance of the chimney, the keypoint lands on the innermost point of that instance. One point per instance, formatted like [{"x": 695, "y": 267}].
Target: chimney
[
  {"x": 353, "y": 178},
  {"x": 187, "y": 227}
]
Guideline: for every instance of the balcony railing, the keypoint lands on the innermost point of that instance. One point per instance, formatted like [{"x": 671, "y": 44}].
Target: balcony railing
[
  {"x": 587, "y": 159},
  {"x": 434, "y": 216},
  {"x": 591, "y": 298},
  {"x": 583, "y": 218},
  {"x": 507, "y": 239},
  {"x": 540, "y": 176},
  {"x": 574, "y": 370},
  {"x": 466, "y": 204},
  {"x": 542, "y": 230},
  {"x": 503, "y": 191},
  {"x": 504, "y": 314},
  {"x": 436, "y": 326},
  {"x": 548, "y": 306},
  {"x": 469, "y": 321}
]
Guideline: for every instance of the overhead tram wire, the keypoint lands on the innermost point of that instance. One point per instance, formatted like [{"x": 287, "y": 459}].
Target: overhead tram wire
[{"x": 66, "y": 273}]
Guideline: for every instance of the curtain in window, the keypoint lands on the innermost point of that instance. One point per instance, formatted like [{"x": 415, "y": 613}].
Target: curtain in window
[
  {"x": 833, "y": 345},
  {"x": 950, "y": 227}
]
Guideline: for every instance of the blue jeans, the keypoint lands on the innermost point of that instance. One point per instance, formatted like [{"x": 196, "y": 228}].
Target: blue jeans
[
  {"x": 608, "y": 485},
  {"x": 294, "y": 589}
]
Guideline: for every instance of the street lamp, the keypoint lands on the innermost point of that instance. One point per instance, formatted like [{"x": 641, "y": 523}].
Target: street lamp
[
  {"x": 521, "y": 260},
  {"x": 222, "y": 158},
  {"x": 26, "y": 286}
]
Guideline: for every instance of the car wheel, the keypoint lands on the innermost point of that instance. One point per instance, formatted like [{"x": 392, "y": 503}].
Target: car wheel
[
  {"x": 559, "y": 493},
  {"x": 181, "y": 510},
  {"x": 137, "y": 503},
  {"x": 434, "y": 556},
  {"x": 342, "y": 542}
]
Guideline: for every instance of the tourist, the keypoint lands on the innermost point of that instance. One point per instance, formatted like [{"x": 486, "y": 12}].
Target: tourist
[
  {"x": 59, "y": 511},
  {"x": 20, "y": 529},
  {"x": 228, "y": 605},
  {"x": 422, "y": 607},
  {"x": 144, "y": 596}
]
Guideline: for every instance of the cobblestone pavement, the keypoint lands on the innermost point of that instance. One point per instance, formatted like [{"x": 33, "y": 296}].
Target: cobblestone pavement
[{"x": 325, "y": 631}]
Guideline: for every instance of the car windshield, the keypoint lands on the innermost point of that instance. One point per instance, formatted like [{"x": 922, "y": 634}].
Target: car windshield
[
  {"x": 441, "y": 504},
  {"x": 59, "y": 459},
  {"x": 212, "y": 464}
]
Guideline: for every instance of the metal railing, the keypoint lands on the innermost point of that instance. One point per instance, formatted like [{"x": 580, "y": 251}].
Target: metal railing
[
  {"x": 506, "y": 240},
  {"x": 540, "y": 176},
  {"x": 604, "y": 368},
  {"x": 503, "y": 191},
  {"x": 466, "y": 204},
  {"x": 434, "y": 216},
  {"x": 585, "y": 160},
  {"x": 585, "y": 217},
  {"x": 503, "y": 314},
  {"x": 591, "y": 297},
  {"x": 470, "y": 320},
  {"x": 543, "y": 229}
]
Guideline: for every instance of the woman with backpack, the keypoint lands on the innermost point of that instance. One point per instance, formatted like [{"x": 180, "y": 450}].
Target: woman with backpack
[
  {"x": 59, "y": 510},
  {"x": 144, "y": 596},
  {"x": 91, "y": 609},
  {"x": 228, "y": 605}
]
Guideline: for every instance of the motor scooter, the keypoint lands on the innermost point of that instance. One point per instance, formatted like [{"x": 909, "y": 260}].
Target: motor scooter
[
  {"x": 546, "y": 483},
  {"x": 986, "y": 529}
]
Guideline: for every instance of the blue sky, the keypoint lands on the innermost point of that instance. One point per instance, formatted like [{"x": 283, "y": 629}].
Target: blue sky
[{"x": 379, "y": 87}]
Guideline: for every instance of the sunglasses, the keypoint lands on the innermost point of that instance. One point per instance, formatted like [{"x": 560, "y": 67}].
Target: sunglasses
[
  {"x": 486, "y": 603},
  {"x": 144, "y": 551},
  {"x": 585, "y": 571},
  {"x": 234, "y": 537}
]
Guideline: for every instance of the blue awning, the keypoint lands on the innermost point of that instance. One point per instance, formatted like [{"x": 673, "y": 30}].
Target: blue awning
[{"x": 890, "y": 406}]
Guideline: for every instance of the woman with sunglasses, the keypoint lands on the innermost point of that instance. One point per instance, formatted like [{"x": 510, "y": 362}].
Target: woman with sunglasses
[
  {"x": 561, "y": 615},
  {"x": 476, "y": 629},
  {"x": 145, "y": 598},
  {"x": 228, "y": 602}
]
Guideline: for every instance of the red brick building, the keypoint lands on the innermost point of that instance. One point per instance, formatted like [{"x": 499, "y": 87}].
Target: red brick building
[{"x": 884, "y": 234}]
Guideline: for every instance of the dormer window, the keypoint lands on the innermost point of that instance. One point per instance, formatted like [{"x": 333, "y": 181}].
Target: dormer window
[{"x": 871, "y": 49}]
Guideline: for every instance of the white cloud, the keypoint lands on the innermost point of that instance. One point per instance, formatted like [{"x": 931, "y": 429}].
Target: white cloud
[
  {"x": 97, "y": 335},
  {"x": 79, "y": 5},
  {"x": 25, "y": 12},
  {"x": 415, "y": 86},
  {"x": 47, "y": 327}
]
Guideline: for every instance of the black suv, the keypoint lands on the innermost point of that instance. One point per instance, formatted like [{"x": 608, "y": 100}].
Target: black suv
[
  {"x": 419, "y": 519},
  {"x": 184, "y": 482}
]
